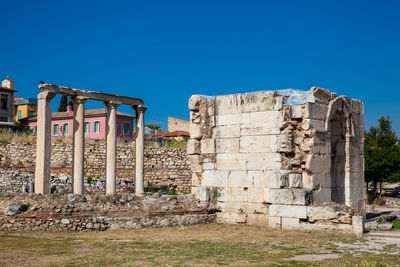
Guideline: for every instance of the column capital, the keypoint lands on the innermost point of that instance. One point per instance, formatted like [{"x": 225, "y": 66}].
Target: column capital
[
  {"x": 140, "y": 108},
  {"x": 46, "y": 95},
  {"x": 112, "y": 104},
  {"x": 79, "y": 99}
]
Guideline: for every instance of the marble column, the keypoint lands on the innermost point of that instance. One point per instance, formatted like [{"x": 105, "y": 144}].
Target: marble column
[
  {"x": 78, "y": 145},
  {"x": 111, "y": 152},
  {"x": 139, "y": 135},
  {"x": 43, "y": 144}
]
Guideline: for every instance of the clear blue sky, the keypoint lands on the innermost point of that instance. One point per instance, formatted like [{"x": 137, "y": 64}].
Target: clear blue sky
[{"x": 165, "y": 51}]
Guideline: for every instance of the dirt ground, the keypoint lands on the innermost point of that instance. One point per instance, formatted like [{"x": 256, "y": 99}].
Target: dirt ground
[{"x": 204, "y": 245}]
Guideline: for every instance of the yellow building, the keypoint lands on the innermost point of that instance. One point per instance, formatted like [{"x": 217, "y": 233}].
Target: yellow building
[{"x": 24, "y": 108}]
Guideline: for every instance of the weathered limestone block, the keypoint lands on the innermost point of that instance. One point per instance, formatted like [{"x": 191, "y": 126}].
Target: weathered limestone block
[
  {"x": 231, "y": 218},
  {"x": 225, "y": 146},
  {"x": 267, "y": 117},
  {"x": 207, "y": 146},
  {"x": 205, "y": 193},
  {"x": 193, "y": 147},
  {"x": 196, "y": 178},
  {"x": 286, "y": 142},
  {"x": 296, "y": 112},
  {"x": 278, "y": 180},
  {"x": 214, "y": 178},
  {"x": 255, "y": 195},
  {"x": 258, "y": 179},
  {"x": 195, "y": 117},
  {"x": 324, "y": 213},
  {"x": 251, "y": 102},
  {"x": 195, "y": 131},
  {"x": 227, "y": 104},
  {"x": 196, "y": 163},
  {"x": 296, "y": 180},
  {"x": 259, "y": 129},
  {"x": 322, "y": 96},
  {"x": 195, "y": 102},
  {"x": 290, "y": 223},
  {"x": 231, "y": 161},
  {"x": 238, "y": 179},
  {"x": 243, "y": 207},
  {"x": 255, "y": 208},
  {"x": 258, "y": 219},
  {"x": 292, "y": 196},
  {"x": 209, "y": 166},
  {"x": 227, "y": 131},
  {"x": 227, "y": 206},
  {"x": 323, "y": 195},
  {"x": 358, "y": 222},
  {"x": 263, "y": 161},
  {"x": 315, "y": 111},
  {"x": 232, "y": 119},
  {"x": 233, "y": 194},
  {"x": 288, "y": 211},
  {"x": 261, "y": 144},
  {"x": 275, "y": 222}
]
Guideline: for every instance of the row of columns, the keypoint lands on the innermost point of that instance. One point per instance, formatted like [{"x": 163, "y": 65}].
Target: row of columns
[{"x": 43, "y": 146}]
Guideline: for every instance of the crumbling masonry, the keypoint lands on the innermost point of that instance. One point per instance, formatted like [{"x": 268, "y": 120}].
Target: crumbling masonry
[{"x": 285, "y": 159}]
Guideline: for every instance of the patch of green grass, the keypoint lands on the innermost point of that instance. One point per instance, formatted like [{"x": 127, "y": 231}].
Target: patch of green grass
[
  {"x": 211, "y": 244},
  {"x": 396, "y": 225}
]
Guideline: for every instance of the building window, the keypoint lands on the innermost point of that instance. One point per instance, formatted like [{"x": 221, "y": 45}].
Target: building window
[
  {"x": 4, "y": 119},
  {"x": 35, "y": 130},
  {"x": 55, "y": 129},
  {"x": 4, "y": 101},
  {"x": 65, "y": 128},
  {"x": 31, "y": 113},
  {"x": 19, "y": 114},
  {"x": 125, "y": 128},
  {"x": 86, "y": 127},
  {"x": 96, "y": 127}
]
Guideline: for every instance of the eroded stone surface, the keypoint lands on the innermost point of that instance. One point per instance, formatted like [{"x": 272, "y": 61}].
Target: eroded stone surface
[{"x": 288, "y": 154}]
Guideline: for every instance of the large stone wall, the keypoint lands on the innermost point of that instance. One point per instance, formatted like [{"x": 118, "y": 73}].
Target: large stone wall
[
  {"x": 267, "y": 157},
  {"x": 163, "y": 166},
  {"x": 176, "y": 124}
]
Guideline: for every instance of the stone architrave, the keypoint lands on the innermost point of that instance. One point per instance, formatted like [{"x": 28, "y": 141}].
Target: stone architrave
[{"x": 43, "y": 144}]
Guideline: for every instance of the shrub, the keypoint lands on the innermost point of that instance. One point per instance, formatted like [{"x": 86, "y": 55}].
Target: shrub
[{"x": 176, "y": 144}]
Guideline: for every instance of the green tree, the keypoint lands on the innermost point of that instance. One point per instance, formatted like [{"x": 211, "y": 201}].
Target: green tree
[
  {"x": 382, "y": 154},
  {"x": 63, "y": 103},
  {"x": 70, "y": 103},
  {"x": 154, "y": 126}
]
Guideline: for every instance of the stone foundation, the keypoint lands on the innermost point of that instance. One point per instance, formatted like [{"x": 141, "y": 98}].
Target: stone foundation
[{"x": 62, "y": 212}]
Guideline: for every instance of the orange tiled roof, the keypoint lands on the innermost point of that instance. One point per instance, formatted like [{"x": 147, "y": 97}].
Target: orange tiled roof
[{"x": 175, "y": 134}]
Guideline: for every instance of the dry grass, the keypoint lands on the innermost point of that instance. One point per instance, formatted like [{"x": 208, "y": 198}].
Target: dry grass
[
  {"x": 8, "y": 136},
  {"x": 189, "y": 246}
]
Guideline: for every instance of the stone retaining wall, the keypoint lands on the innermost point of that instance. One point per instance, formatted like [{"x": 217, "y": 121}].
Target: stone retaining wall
[
  {"x": 163, "y": 167},
  {"x": 62, "y": 212}
]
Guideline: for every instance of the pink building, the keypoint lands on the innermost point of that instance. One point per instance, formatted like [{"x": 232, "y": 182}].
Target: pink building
[{"x": 62, "y": 124}]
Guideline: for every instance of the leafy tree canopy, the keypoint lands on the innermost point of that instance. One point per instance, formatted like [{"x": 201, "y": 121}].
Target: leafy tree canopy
[
  {"x": 382, "y": 153},
  {"x": 63, "y": 104},
  {"x": 154, "y": 126}
]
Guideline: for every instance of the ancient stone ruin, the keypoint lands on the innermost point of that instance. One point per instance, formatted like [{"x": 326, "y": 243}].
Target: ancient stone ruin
[
  {"x": 79, "y": 98},
  {"x": 285, "y": 159}
]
